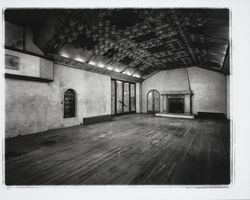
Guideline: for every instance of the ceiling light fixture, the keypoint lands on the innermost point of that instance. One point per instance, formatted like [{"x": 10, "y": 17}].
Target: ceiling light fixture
[
  {"x": 127, "y": 73},
  {"x": 137, "y": 76},
  {"x": 101, "y": 65},
  {"x": 79, "y": 59},
  {"x": 92, "y": 62},
  {"x": 65, "y": 55},
  {"x": 109, "y": 68}
]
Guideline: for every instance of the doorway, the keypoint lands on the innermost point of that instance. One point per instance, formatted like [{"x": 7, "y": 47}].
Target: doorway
[
  {"x": 153, "y": 101},
  {"x": 123, "y": 97}
]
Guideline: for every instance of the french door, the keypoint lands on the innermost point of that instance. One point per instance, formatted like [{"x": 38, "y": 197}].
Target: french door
[
  {"x": 153, "y": 101},
  {"x": 122, "y": 97}
]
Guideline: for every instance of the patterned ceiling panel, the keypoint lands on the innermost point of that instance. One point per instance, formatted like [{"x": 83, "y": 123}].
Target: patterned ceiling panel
[{"x": 143, "y": 41}]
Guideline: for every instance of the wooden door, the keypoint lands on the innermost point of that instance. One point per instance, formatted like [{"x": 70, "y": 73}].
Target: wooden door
[{"x": 153, "y": 101}]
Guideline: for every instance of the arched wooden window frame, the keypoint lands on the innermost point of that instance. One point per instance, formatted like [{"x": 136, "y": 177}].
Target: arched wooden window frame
[
  {"x": 75, "y": 100},
  {"x": 153, "y": 103}
]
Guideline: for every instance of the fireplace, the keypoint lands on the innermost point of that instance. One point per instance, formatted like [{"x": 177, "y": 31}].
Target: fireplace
[
  {"x": 176, "y": 101},
  {"x": 176, "y": 104}
]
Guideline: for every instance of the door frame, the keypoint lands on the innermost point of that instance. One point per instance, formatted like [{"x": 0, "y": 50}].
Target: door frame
[
  {"x": 115, "y": 99},
  {"x": 153, "y": 104}
]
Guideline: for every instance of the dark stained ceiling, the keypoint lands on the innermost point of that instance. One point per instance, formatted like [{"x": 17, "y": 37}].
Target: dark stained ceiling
[{"x": 136, "y": 42}]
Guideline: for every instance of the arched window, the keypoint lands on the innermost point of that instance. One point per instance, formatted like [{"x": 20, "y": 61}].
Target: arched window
[
  {"x": 153, "y": 101},
  {"x": 69, "y": 103}
]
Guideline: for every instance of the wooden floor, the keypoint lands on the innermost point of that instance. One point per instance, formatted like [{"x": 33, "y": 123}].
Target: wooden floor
[{"x": 131, "y": 149}]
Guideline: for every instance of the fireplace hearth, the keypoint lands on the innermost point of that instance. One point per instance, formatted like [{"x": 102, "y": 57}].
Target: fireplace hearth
[
  {"x": 176, "y": 101},
  {"x": 176, "y": 104}
]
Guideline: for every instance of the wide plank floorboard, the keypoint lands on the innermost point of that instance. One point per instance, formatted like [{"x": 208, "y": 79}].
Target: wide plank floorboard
[{"x": 133, "y": 149}]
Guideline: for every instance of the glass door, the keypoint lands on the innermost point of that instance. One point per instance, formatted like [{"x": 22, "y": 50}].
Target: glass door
[
  {"x": 122, "y": 97},
  {"x": 126, "y": 97},
  {"x": 119, "y": 97},
  {"x": 132, "y": 97}
]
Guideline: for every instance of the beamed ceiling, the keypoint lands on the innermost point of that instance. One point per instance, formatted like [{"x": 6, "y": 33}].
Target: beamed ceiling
[{"x": 136, "y": 42}]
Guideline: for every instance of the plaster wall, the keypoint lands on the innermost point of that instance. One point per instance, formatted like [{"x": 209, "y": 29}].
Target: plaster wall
[
  {"x": 33, "y": 107},
  {"x": 138, "y": 97},
  {"x": 209, "y": 90},
  {"x": 28, "y": 64},
  {"x": 208, "y": 87}
]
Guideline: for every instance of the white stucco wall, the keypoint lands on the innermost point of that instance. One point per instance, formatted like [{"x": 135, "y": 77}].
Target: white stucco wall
[
  {"x": 209, "y": 90},
  {"x": 208, "y": 87},
  {"x": 33, "y": 107},
  {"x": 28, "y": 65}
]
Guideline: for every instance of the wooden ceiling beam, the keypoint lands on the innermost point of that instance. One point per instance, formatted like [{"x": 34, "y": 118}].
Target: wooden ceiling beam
[
  {"x": 125, "y": 68},
  {"x": 90, "y": 58},
  {"x": 181, "y": 34}
]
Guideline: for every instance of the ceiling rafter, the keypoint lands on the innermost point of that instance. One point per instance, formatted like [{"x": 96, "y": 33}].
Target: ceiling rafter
[{"x": 175, "y": 19}]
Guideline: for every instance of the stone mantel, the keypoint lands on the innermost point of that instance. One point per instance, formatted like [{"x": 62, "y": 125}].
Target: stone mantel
[{"x": 185, "y": 92}]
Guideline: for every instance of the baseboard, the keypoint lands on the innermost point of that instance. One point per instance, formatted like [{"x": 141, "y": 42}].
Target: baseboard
[
  {"x": 211, "y": 115},
  {"x": 96, "y": 119}
]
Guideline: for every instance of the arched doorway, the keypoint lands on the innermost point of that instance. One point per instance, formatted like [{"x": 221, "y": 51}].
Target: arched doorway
[{"x": 153, "y": 101}]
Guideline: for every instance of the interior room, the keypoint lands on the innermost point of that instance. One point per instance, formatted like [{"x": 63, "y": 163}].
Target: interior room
[{"x": 117, "y": 96}]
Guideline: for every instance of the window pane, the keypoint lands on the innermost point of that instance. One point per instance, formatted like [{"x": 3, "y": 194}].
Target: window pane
[
  {"x": 119, "y": 96},
  {"x": 69, "y": 103},
  {"x": 132, "y": 97},
  {"x": 126, "y": 97}
]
